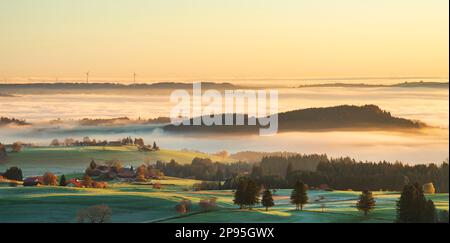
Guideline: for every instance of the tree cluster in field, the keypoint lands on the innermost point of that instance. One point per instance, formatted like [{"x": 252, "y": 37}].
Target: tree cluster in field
[
  {"x": 14, "y": 148},
  {"x": 86, "y": 141},
  {"x": 248, "y": 193},
  {"x": 114, "y": 170},
  {"x": 205, "y": 204},
  {"x": 12, "y": 121},
  {"x": 50, "y": 179},
  {"x": 13, "y": 173}
]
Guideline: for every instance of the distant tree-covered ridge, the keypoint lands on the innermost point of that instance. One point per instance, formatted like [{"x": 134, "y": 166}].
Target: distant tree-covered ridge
[
  {"x": 77, "y": 87},
  {"x": 438, "y": 85},
  {"x": 12, "y": 121},
  {"x": 337, "y": 117},
  {"x": 122, "y": 121}
]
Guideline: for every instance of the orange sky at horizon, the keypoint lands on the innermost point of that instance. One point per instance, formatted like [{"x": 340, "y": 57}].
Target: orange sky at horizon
[{"x": 220, "y": 40}]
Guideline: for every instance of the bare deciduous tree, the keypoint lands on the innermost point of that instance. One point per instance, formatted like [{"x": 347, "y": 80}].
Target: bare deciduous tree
[{"x": 95, "y": 214}]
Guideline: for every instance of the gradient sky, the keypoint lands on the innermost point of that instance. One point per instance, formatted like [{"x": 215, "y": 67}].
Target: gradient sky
[{"x": 204, "y": 39}]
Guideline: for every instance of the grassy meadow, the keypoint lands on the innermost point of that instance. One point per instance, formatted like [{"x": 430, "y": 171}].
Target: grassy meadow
[{"x": 143, "y": 204}]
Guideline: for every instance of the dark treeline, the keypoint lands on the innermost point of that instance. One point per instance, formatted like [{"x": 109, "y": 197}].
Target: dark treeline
[
  {"x": 204, "y": 169},
  {"x": 316, "y": 171},
  {"x": 278, "y": 165},
  {"x": 346, "y": 173}
]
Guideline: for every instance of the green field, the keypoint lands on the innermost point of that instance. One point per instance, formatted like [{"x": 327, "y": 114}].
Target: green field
[
  {"x": 66, "y": 160},
  {"x": 142, "y": 203}
]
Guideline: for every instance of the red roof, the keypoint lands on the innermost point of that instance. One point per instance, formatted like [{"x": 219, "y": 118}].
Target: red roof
[{"x": 75, "y": 182}]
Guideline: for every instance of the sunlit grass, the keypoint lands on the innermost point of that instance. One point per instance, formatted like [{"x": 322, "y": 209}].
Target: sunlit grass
[{"x": 143, "y": 203}]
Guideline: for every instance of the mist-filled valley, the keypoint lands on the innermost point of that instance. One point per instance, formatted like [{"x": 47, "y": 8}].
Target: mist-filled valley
[{"x": 58, "y": 116}]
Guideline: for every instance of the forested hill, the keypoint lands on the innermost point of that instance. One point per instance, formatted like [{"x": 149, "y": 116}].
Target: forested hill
[{"x": 331, "y": 118}]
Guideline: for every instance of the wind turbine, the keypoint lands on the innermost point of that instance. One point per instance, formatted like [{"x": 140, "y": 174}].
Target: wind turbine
[
  {"x": 134, "y": 78},
  {"x": 87, "y": 77}
]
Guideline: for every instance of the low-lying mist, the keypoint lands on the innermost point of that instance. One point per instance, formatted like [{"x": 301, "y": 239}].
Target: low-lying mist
[{"x": 427, "y": 105}]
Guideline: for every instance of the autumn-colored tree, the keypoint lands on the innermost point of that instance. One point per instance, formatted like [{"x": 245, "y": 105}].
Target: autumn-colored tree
[
  {"x": 16, "y": 147},
  {"x": 87, "y": 181},
  {"x": 184, "y": 206},
  {"x": 50, "y": 179},
  {"x": 208, "y": 204},
  {"x": 140, "y": 173},
  {"x": 180, "y": 208},
  {"x": 157, "y": 186}
]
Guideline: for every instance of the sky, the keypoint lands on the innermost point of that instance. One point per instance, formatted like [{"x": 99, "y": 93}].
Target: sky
[{"x": 207, "y": 39}]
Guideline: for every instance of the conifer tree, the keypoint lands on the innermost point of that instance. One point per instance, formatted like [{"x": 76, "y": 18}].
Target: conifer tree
[
  {"x": 62, "y": 181},
  {"x": 267, "y": 200},
  {"x": 299, "y": 196},
  {"x": 366, "y": 202},
  {"x": 93, "y": 165},
  {"x": 239, "y": 193},
  {"x": 407, "y": 205},
  {"x": 430, "y": 213},
  {"x": 413, "y": 207},
  {"x": 251, "y": 194}
]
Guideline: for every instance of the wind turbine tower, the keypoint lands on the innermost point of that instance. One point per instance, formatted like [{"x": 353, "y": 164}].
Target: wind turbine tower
[{"x": 87, "y": 77}]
